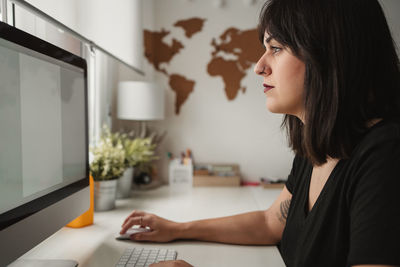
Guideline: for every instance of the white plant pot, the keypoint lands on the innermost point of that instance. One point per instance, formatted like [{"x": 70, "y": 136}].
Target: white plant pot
[
  {"x": 104, "y": 195},
  {"x": 125, "y": 183}
]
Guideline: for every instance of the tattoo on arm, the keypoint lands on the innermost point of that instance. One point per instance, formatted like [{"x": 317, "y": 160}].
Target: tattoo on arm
[{"x": 284, "y": 209}]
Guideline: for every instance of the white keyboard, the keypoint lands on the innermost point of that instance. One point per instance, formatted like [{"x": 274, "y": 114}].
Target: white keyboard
[{"x": 143, "y": 257}]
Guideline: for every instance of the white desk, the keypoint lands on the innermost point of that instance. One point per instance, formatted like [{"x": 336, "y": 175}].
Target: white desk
[{"x": 95, "y": 245}]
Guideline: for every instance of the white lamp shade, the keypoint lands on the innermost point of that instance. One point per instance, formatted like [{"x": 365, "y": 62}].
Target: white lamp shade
[{"x": 140, "y": 101}]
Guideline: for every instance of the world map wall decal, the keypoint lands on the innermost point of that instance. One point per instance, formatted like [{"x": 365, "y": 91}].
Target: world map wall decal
[{"x": 242, "y": 46}]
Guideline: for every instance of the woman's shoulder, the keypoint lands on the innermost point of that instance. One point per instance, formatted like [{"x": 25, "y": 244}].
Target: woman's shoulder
[
  {"x": 300, "y": 163},
  {"x": 388, "y": 127},
  {"x": 376, "y": 159},
  {"x": 384, "y": 133}
]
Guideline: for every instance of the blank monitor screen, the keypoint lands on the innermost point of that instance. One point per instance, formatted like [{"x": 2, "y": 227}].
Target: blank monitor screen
[
  {"x": 41, "y": 120},
  {"x": 43, "y": 125}
]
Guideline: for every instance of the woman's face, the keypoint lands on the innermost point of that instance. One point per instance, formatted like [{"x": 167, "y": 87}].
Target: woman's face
[{"x": 283, "y": 75}]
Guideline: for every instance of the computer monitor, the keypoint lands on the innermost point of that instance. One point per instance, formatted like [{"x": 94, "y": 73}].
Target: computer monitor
[{"x": 44, "y": 170}]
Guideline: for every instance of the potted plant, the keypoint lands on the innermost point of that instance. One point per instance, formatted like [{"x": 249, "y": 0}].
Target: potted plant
[
  {"x": 107, "y": 166},
  {"x": 144, "y": 161},
  {"x": 145, "y": 171},
  {"x": 137, "y": 150}
]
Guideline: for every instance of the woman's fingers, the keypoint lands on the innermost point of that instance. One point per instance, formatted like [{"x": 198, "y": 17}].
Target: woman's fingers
[
  {"x": 145, "y": 236},
  {"x": 162, "y": 230},
  {"x": 137, "y": 220},
  {"x": 133, "y": 214}
]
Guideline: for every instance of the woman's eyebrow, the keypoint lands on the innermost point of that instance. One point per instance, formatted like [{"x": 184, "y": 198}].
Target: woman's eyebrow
[{"x": 269, "y": 39}]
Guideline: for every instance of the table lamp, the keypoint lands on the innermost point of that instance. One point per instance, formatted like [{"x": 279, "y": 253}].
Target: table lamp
[{"x": 141, "y": 101}]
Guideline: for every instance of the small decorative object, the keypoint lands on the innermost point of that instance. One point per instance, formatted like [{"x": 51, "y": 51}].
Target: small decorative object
[{"x": 107, "y": 166}]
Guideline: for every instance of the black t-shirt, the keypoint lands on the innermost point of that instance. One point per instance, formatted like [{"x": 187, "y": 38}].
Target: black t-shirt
[{"x": 356, "y": 218}]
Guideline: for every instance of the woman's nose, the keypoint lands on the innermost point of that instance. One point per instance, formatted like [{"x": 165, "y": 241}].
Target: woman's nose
[{"x": 262, "y": 68}]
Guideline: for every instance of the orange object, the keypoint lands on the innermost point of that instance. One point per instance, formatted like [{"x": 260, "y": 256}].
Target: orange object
[{"x": 86, "y": 218}]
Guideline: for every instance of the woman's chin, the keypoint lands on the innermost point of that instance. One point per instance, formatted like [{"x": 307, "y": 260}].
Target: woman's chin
[{"x": 273, "y": 108}]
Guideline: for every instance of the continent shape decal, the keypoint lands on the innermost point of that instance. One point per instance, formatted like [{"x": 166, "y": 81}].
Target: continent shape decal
[
  {"x": 230, "y": 73},
  {"x": 182, "y": 87},
  {"x": 190, "y": 26},
  {"x": 244, "y": 46},
  {"x": 156, "y": 51}
]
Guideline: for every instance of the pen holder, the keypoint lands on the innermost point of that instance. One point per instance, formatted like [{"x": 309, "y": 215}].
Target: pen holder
[{"x": 180, "y": 174}]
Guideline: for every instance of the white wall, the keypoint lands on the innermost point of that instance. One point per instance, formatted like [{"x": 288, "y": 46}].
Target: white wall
[{"x": 392, "y": 12}]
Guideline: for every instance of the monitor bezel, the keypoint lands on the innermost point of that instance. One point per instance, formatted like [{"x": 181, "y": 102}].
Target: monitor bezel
[{"x": 31, "y": 42}]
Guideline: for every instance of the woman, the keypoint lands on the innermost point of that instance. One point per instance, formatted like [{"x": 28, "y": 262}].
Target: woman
[{"x": 331, "y": 67}]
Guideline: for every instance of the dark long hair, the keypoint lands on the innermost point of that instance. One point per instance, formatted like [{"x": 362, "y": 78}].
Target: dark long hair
[{"x": 352, "y": 70}]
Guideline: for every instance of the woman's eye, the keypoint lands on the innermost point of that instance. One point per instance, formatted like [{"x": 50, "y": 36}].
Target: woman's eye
[{"x": 275, "y": 49}]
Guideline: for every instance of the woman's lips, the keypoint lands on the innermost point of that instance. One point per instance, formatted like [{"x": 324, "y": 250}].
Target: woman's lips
[{"x": 267, "y": 87}]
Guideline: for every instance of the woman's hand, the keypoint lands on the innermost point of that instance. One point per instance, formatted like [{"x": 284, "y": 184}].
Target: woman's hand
[
  {"x": 162, "y": 230},
  {"x": 178, "y": 263}
]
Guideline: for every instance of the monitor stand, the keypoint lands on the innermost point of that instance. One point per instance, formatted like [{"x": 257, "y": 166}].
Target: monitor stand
[{"x": 44, "y": 263}]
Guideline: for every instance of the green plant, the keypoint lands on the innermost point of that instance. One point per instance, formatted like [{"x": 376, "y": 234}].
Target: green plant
[
  {"x": 108, "y": 156},
  {"x": 138, "y": 150}
]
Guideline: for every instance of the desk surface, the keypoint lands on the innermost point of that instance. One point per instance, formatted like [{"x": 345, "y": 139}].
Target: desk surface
[{"x": 95, "y": 245}]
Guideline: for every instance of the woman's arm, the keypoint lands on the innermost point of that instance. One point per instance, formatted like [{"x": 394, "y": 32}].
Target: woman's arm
[{"x": 256, "y": 228}]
